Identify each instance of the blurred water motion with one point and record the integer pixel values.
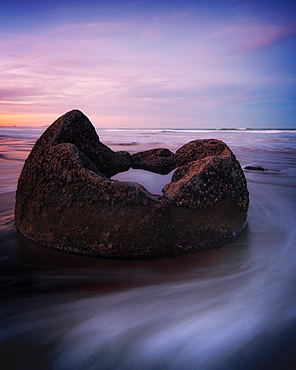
(231, 308)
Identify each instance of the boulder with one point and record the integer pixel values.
(255, 168)
(158, 160)
(209, 173)
(199, 149)
(66, 199)
(76, 129)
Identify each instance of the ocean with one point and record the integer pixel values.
(228, 308)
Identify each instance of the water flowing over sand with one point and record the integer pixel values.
(230, 308)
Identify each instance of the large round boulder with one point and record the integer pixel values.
(66, 199)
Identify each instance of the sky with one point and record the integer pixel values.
(149, 64)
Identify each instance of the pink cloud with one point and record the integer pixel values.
(96, 29)
(180, 15)
(151, 34)
(253, 36)
(129, 69)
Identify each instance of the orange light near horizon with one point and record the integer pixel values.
(23, 120)
(26, 119)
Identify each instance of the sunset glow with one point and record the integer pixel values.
(149, 64)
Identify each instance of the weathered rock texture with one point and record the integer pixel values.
(209, 173)
(158, 160)
(66, 201)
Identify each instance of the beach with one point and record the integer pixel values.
(229, 308)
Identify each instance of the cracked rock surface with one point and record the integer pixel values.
(66, 199)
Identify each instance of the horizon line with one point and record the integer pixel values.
(160, 128)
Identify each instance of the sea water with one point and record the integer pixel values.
(229, 308)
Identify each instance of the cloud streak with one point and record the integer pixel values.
(136, 69)
(249, 37)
